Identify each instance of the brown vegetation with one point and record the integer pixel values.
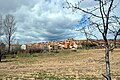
(83, 63)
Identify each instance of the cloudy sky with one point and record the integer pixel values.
(43, 20)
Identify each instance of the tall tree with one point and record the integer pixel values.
(103, 19)
(1, 26)
(9, 30)
(2, 45)
(0, 35)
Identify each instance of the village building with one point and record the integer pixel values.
(57, 45)
(23, 47)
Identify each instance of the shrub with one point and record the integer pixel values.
(88, 45)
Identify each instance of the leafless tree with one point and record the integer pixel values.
(103, 19)
(0, 35)
(9, 30)
(1, 26)
(2, 45)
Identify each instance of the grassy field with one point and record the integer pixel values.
(65, 65)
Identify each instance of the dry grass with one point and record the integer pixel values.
(80, 64)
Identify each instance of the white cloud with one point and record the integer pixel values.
(44, 20)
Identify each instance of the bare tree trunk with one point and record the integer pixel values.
(9, 30)
(0, 56)
(9, 47)
(108, 76)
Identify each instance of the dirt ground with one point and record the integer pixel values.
(81, 63)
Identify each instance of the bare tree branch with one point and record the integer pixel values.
(9, 30)
(107, 24)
